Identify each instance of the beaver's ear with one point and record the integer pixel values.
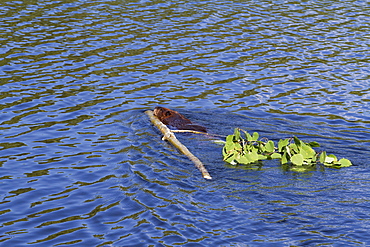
(168, 113)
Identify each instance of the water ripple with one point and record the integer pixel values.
(81, 164)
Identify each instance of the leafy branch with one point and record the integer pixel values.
(239, 150)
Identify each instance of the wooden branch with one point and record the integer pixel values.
(170, 136)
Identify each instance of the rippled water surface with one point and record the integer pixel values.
(81, 164)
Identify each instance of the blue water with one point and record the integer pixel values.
(81, 164)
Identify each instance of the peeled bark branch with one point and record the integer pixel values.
(170, 136)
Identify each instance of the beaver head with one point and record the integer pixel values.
(162, 112)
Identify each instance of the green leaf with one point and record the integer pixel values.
(229, 139)
(284, 158)
(275, 156)
(250, 157)
(255, 155)
(243, 160)
(248, 136)
(270, 147)
(236, 134)
(249, 148)
(282, 143)
(224, 152)
(261, 147)
(314, 158)
(229, 158)
(255, 149)
(230, 146)
(262, 157)
(307, 151)
(297, 141)
(297, 159)
(323, 157)
(238, 146)
(345, 162)
(255, 136)
(314, 144)
(329, 159)
(293, 147)
(331, 156)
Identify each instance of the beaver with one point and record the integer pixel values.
(174, 119)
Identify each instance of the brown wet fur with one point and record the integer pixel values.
(173, 118)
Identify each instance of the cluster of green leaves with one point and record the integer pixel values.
(239, 150)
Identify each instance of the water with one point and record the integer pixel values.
(81, 165)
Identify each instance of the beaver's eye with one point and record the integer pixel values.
(168, 113)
